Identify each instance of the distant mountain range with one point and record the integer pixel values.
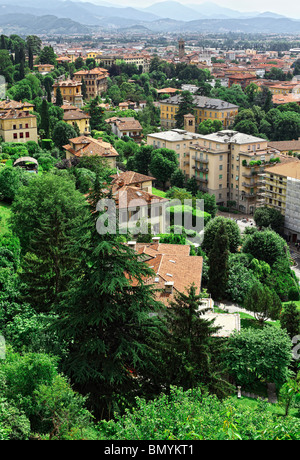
(75, 17)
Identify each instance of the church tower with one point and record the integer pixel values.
(181, 48)
(189, 122)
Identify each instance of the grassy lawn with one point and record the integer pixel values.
(157, 192)
(4, 215)
(297, 302)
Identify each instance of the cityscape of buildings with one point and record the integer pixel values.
(152, 122)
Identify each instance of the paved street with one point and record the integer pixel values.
(296, 257)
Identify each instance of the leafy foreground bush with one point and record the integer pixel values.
(194, 415)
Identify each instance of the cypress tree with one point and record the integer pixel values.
(218, 264)
(59, 99)
(30, 58)
(83, 89)
(45, 123)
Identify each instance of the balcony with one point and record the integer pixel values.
(202, 179)
(249, 184)
(202, 160)
(250, 195)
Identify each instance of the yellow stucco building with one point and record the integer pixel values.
(70, 90)
(226, 164)
(18, 126)
(76, 116)
(205, 109)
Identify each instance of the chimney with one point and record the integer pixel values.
(132, 244)
(169, 287)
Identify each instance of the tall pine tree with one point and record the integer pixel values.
(105, 317)
(194, 352)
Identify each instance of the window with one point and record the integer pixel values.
(21, 135)
(220, 176)
(26, 125)
(14, 126)
(27, 134)
(15, 136)
(220, 156)
(220, 167)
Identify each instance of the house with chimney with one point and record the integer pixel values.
(126, 126)
(83, 146)
(174, 271)
(138, 207)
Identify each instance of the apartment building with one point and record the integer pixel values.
(226, 164)
(70, 90)
(284, 88)
(95, 81)
(18, 126)
(178, 140)
(280, 190)
(205, 109)
(138, 59)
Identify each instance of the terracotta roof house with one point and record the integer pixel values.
(138, 206)
(76, 116)
(44, 68)
(126, 126)
(87, 146)
(8, 104)
(169, 91)
(175, 270)
(279, 99)
(284, 147)
(134, 179)
(70, 90)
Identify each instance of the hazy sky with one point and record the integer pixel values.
(290, 8)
